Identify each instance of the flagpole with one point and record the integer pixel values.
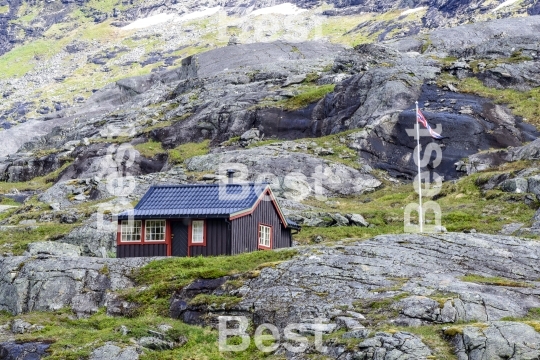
(420, 215)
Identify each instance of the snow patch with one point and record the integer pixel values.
(149, 21)
(198, 14)
(412, 11)
(162, 18)
(283, 9)
(504, 4)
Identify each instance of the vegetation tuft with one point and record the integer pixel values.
(496, 281)
(307, 95)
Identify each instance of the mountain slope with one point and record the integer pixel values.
(56, 54)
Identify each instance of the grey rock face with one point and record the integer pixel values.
(51, 283)
(291, 174)
(324, 280)
(53, 248)
(91, 239)
(400, 345)
(111, 351)
(530, 151)
(388, 146)
(510, 229)
(487, 39)
(516, 185)
(420, 307)
(340, 220)
(536, 220)
(534, 185)
(497, 340)
(60, 196)
(24, 351)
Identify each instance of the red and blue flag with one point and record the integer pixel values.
(422, 120)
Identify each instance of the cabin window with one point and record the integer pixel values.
(155, 230)
(197, 232)
(265, 233)
(131, 230)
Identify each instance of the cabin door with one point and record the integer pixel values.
(179, 239)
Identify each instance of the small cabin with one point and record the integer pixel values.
(207, 220)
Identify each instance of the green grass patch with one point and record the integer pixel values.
(223, 302)
(232, 141)
(16, 239)
(74, 339)
(38, 183)
(307, 95)
(177, 155)
(164, 277)
(8, 201)
(150, 149)
(379, 311)
(24, 58)
(464, 206)
(434, 338)
(185, 151)
(493, 280)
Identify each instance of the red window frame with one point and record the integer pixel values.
(262, 247)
(190, 233)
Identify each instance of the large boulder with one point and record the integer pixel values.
(291, 174)
(23, 351)
(110, 351)
(52, 283)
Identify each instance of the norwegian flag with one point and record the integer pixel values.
(422, 120)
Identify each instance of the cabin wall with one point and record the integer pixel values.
(245, 230)
(217, 239)
(138, 250)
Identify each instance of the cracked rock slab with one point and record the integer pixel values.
(498, 340)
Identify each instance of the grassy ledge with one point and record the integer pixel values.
(163, 277)
(177, 155)
(306, 95)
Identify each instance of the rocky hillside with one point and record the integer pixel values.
(315, 98)
(447, 296)
(54, 55)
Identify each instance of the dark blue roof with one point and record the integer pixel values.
(196, 200)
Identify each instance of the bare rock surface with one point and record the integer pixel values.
(497, 340)
(427, 265)
(51, 283)
(23, 351)
(289, 173)
(110, 351)
(413, 279)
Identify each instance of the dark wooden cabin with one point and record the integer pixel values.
(207, 220)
